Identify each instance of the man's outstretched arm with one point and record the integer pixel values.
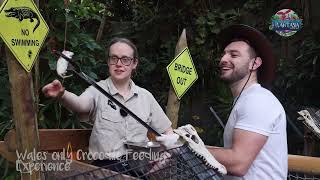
(238, 159)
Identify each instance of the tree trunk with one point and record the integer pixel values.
(173, 104)
(102, 24)
(36, 78)
(24, 111)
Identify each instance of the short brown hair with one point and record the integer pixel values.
(122, 40)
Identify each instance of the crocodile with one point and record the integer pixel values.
(311, 118)
(196, 145)
(22, 13)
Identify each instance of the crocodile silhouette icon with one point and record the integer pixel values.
(22, 13)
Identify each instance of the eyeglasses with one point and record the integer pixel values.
(113, 60)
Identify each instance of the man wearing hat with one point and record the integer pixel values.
(255, 140)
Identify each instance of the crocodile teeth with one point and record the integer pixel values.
(197, 146)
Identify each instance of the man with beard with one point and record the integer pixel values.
(255, 140)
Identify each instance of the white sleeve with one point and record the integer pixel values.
(79, 104)
(257, 115)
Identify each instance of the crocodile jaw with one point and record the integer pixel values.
(308, 119)
(9, 13)
(189, 134)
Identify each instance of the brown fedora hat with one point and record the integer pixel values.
(260, 44)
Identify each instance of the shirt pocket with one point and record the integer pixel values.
(110, 113)
(135, 126)
(142, 110)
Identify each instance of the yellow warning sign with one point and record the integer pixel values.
(23, 29)
(182, 72)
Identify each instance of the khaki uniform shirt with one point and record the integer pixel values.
(111, 130)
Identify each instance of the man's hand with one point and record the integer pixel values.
(169, 140)
(54, 89)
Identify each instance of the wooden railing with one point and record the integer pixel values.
(304, 164)
(301, 164)
(57, 139)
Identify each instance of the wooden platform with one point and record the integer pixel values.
(55, 140)
(77, 168)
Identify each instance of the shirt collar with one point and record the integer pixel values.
(245, 91)
(113, 90)
(134, 88)
(251, 87)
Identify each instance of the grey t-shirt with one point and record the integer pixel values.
(111, 129)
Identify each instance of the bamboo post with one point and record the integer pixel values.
(173, 104)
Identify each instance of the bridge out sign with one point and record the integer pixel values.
(182, 72)
(23, 29)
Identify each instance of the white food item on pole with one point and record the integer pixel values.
(62, 64)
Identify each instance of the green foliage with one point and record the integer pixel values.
(155, 28)
(5, 99)
(6, 123)
(297, 86)
(71, 26)
(7, 172)
(300, 78)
